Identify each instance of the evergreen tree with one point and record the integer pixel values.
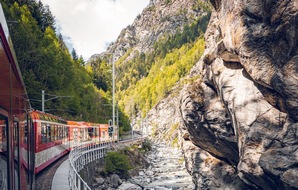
(74, 54)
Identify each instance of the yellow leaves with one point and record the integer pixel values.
(50, 34)
(89, 69)
(163, 75)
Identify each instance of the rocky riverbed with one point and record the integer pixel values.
(166, 171)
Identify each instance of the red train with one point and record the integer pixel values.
(32, 140)
(16, 136)
(55, 137)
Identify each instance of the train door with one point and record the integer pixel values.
(29, 153)
(16, 146)
(4, 178)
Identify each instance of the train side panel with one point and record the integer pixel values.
(15, 170)
(51, 139)
(104, 134)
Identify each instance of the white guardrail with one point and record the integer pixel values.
(85, 154)
(79, 157)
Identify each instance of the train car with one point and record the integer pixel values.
(74, 133)
(16, 139)
(51, 139)
(103, 133)
(86, 132)
(81, 132)
(93, 131)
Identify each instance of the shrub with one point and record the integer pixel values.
(146, 146)
(118, 163)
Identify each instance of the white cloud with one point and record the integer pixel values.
(91, 24)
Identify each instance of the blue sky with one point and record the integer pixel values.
(90, 25)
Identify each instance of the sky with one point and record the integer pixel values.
(89, 26)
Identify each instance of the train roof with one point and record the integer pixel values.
(78, 123)
(38, 115)
(86, 124)
(11, 81)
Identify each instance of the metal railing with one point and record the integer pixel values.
(79, 157)
(85, 154)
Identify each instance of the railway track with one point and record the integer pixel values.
(43, 180)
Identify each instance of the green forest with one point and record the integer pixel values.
(46, 64)
(148, 77)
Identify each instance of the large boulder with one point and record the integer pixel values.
(115, 181)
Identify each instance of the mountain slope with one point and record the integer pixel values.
(152, 41)
(158, 19)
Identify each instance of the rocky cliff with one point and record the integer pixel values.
(159, 18)
(239, 120)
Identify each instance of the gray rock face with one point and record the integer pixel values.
(157, 19)
(210, 172)
(243, 111)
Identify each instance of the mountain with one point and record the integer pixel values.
(160, 37)
(233, 106)
(158, 19)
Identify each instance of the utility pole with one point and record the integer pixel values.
(117, 114)
(146, 120)
(131, 125)
(113, 76)
(113, 91)
(142, 128)
(43, 100)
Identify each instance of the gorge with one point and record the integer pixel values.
(237, 110)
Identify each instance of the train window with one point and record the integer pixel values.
(67, 131)
(3, 134)
(49, 133)
(60, 132)
(90, 132)
(43, 133)
(25, 132)
(15, 132)
(52, 133)
(56, 132)
(3, 150)
(82, 134)
(16, 139)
